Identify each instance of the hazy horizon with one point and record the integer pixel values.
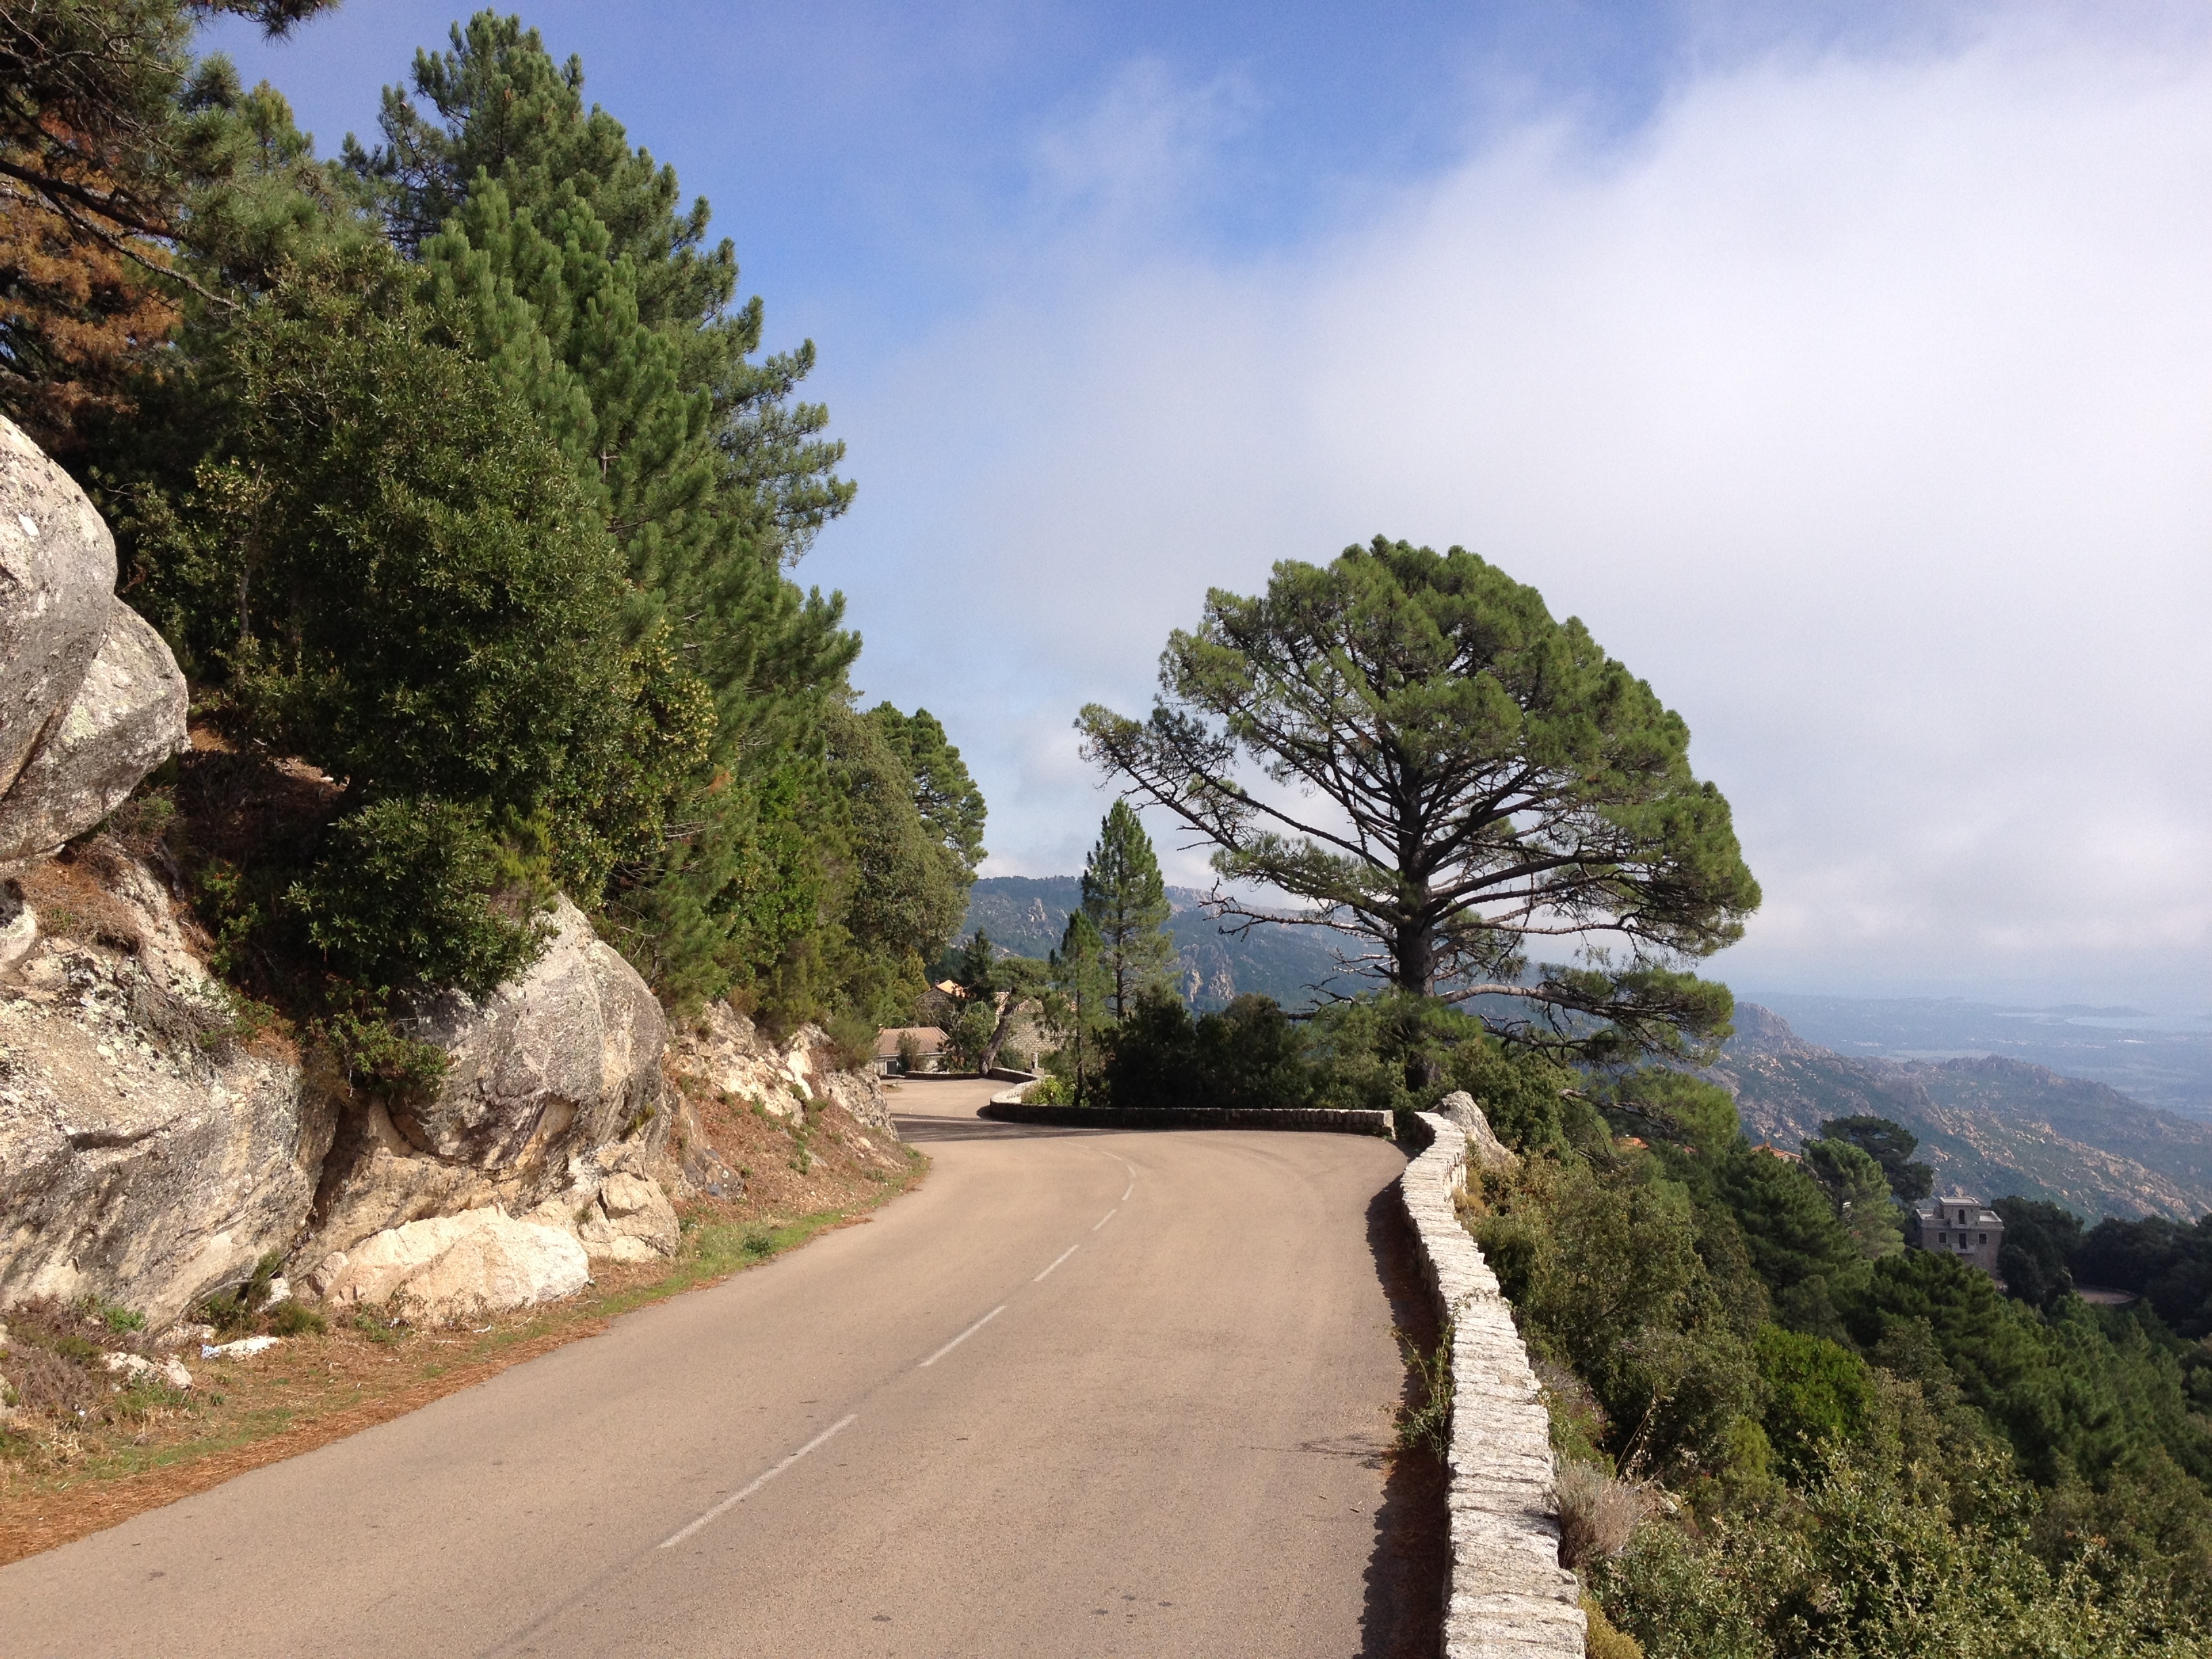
(1847, 368)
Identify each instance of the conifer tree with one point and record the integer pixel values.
(1127, 903)
(1859, 1189)
(561, 253)
(1077, 975)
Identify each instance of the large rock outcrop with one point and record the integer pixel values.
(461, 1266)
(134, 1164)
(90, 697)
(724, 1050)
(555, 1084)
(127, 717)
(148, 1159)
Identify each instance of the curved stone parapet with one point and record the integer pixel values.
(1008, 1107)
(1508, 1597)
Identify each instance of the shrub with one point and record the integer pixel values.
(1599, 1513)
(44, 1381)
(852, 1041)
(1817, 1393)
(295, 1319)
(414, 892)
(1605, 1640)
(1249, 1053)
(1425, 1423)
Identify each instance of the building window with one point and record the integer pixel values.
(1943, 1238)
(1984, 1237)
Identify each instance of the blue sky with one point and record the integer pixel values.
(1849, 368)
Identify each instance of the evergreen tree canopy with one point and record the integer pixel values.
(130, 177)
(1082, 990)
(945, 796)
(1890, 1144)
(1126, 902)
(1457, 776)
(2040, 1237)
(1857, 1187)
(1788, 1223)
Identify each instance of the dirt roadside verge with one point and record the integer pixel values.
(60, 1481)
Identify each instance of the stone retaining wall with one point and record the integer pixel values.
(1509, 1598)
(1008, 1109)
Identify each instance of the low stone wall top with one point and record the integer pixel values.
(1509, 1598)
(1008, 1109)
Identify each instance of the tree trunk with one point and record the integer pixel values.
(1413, 959)
(1007, 1010)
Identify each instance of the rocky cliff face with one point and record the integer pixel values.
(90, 697)
(724, 1050)
(148, 1158)
(135, 1162)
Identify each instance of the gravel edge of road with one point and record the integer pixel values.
(1507, 1597)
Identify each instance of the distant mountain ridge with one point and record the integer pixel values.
(1027, 914)
(1991, 1126)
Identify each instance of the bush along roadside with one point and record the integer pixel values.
(1779, 1436)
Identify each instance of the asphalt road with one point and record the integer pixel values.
(1081, 1393)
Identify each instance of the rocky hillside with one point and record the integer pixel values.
(1993, 1125)
(1027, 914)
(161, 1141)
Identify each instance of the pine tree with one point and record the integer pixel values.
(1857, 1187)
(1081, 989)
(1126, 902)
(560, 253)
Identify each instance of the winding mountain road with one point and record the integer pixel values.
(1081, 1393)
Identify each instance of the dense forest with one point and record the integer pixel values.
(462, 483)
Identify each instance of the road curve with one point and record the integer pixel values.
(1082, 1393)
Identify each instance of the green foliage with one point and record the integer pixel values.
(899, 892)
(1494, 770)
(1078, 1005)
(409, 893)
(1890, 1144)
(1603, 1264)
(970, 1034)
(1524, 1095)
(569, 268)
(1673, 1106)
(292, 1318)
(1789, 1225)
(2039, 1238)
(1860, 1191)
(1866, 1561)
(1128, 903)
(2166, 1262)
(1246, 1055)
(944, 796)
(1898, 1459)
(1818, 1394)
(467, 483)
(386, 570)
(1425, 1421)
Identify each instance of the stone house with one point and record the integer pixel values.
(1958, 1225)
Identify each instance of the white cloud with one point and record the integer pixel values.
(1864, 406)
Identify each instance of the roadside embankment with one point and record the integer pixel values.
(1509, 1598)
